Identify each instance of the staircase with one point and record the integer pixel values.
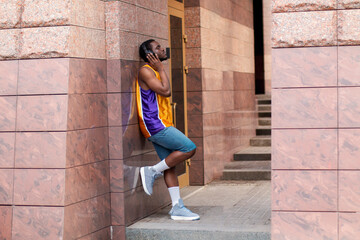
(254, 162)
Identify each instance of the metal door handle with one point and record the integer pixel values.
(174, 112)
(188, 162)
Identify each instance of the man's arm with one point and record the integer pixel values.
(148, 78)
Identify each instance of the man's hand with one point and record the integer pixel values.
(148, 80)
(155, 62)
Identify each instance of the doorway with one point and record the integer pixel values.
(259, 47)
(178, 72)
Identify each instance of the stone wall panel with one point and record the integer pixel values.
(349, 27)
(303, 5)
(318, 29)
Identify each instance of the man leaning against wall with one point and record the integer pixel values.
(155, 120)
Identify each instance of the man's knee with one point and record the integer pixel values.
(191, 153)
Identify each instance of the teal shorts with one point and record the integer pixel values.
(169, 140)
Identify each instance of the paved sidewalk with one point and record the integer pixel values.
(228, 210)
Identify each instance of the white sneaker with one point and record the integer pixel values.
(148, 176)
(180, 212)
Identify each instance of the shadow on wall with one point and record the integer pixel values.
(133, 141)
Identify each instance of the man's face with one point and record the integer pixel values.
(160, 51)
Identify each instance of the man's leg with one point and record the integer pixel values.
(173, 147)
(178, 210)
(177, 157)
(172, 160)
(183, 149)
(170, 176)
(167, 165)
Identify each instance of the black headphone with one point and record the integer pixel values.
(147, 51)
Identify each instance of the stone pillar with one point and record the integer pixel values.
(128, 24)
(316, 126)
(54, 172)
(267, 23)
(221, 83)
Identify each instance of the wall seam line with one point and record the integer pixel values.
(338, 142)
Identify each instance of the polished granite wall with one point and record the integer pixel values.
(70, 146)
(128, 24)
(267, 24)
(221, 100)
(315, 123)
(54, 163)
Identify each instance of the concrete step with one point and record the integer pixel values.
(263, 96)
(247, 170)
(228, 210)
(263, 107)
(263, 130)
(257, 233)
(248, 165)
(253, 154)
(264, 101)
(244, 174)
(261, 141)
(265, 121)
(266, 114)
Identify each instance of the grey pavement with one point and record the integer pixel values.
(228, 210)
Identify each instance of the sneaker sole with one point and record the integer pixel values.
(142, 173)
(136, 178)
(184, 218)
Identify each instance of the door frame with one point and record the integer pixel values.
(176, 9)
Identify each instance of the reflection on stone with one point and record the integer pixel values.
(131, 173)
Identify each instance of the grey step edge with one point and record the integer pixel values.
(252, 156)
(171, 234)
(265, 121)
(243, 174)
(263, 114)
(260, 142)
(263, 101)
(263, 131)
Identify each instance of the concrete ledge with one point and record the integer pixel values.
(151, 234)
(228, 210)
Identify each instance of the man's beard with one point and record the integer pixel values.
(163, 59)
(167, 55)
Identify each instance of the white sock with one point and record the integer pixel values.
(174, 194)
(161, 166)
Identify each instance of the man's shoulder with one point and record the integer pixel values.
(147, 67)
(146, 71)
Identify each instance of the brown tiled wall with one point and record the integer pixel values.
(72, 122)
(54, 124)
(237, 11)
(87, 173)
(55, 151)
(20, 154)
(221, 100)
(70, 146)
(129, 23)
(315, 107)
